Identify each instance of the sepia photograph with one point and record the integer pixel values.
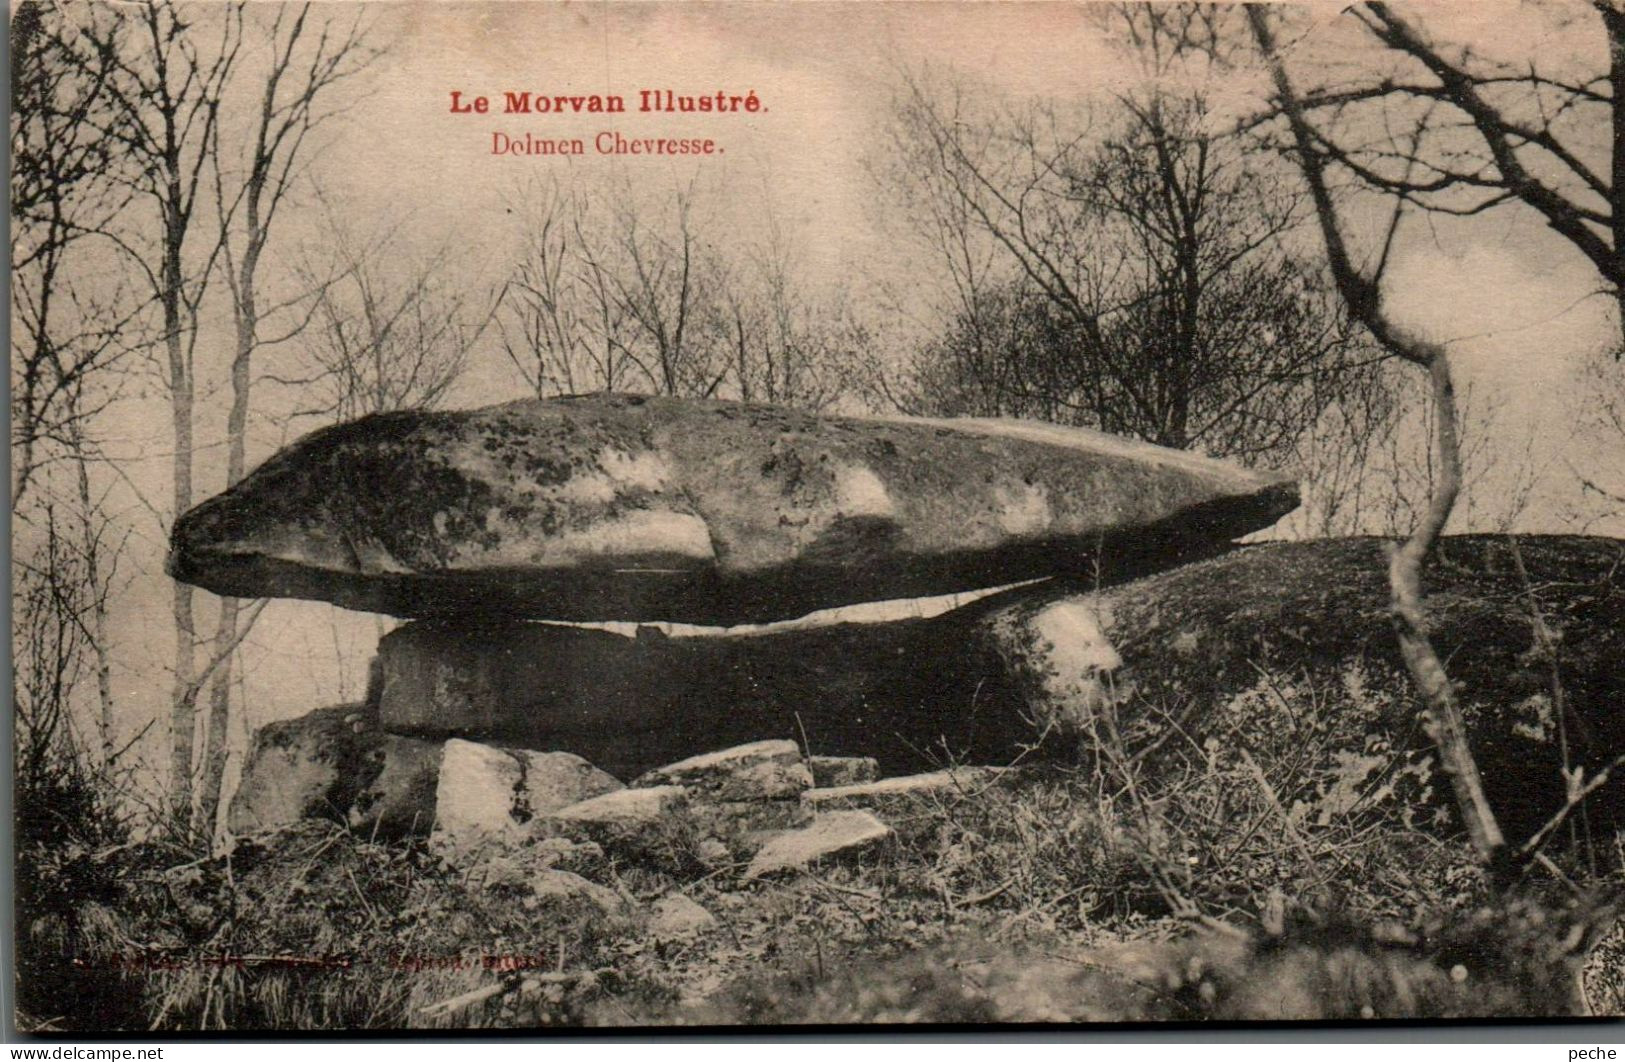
(776, 516)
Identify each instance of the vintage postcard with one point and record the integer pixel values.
(537, 516)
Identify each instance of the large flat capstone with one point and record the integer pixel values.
(607, 507)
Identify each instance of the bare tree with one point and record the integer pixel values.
(64, 192)
(1544, 133)
(1361, 289)
(665, 278)
(180, 79)
(561, 321)
(49, 644)
(67, 559)
(786, 345)
(100, 548)
(172, 66)
(1135, 258)
(1448, 129)
(1602, 431)
(390, 331)
(63, 579)
(1344, 481)
(1361, 473)
(74, 326)
(1010, 352)
(636, 297)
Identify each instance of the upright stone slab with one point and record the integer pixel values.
(621, 507)
(977, 684)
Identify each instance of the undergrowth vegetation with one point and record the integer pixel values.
(1293, 786)
(66, 826)
(1296, 799)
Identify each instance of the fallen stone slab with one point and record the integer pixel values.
(553, 851)
(953, 781)
(485, 790)
(625, 808)
(713, 851)
(742, 824)
(830, 771)
(337, 764)
(977, 684)
(605, 507)
(833, 834)
(760, 770)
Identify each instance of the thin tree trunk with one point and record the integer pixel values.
(182, 708)
(98, 604)
(247, 312)
(1441, 714)
(217, 723)
(1613, 20)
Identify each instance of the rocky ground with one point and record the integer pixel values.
(1256, 765)
(974, 901)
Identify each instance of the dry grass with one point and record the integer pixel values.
(1299, 806)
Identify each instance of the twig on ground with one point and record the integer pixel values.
(468, 999)
(1578, 792)
(983, 897)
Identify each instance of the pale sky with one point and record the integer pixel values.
(825, 72)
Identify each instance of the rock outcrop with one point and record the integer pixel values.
(337, 763)
(620, 507)
(1228, 647)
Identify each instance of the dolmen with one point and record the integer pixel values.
(625, 579)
